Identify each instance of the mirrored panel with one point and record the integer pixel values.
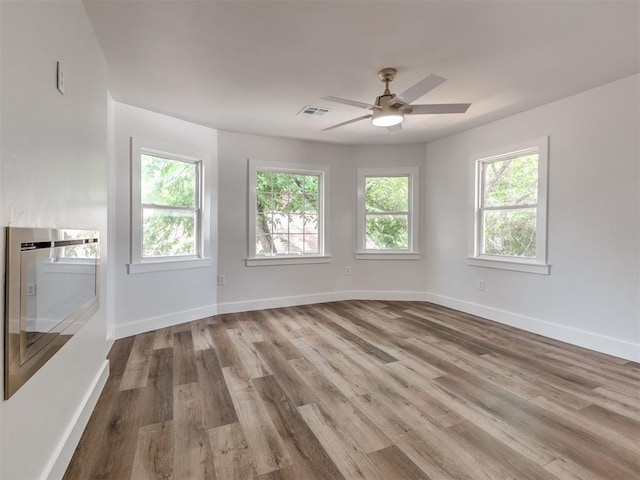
(51, 291)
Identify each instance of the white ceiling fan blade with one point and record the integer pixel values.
(395, 128)
(353, 120)
(352, 103)
(419, 89)
(437, 108)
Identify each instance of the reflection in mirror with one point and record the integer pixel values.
(56, 283)
(51, 291)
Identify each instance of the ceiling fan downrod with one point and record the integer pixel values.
(386, 75)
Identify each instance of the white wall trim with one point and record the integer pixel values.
(175, 263)
(399, 296)
(287, 260)
(69, 440)
(110, 341)
(514, 266)
(387, 256)
(413, 174)
(251, 305)
(162, 321)
(277, 302)
(582, 338)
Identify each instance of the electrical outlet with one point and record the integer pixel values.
(31, 289)
(347, 270)
(60, 78)
(480, 284)
(222, 280)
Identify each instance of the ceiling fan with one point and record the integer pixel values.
(389, 109)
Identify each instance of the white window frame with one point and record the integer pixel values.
(412, 252)
(528, 265)
(255, 166)
(140, 264)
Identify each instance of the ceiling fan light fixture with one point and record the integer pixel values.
(387, 117)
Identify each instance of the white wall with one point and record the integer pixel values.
(52, 174)
(146, 301)
(591, 297)
(268, 286)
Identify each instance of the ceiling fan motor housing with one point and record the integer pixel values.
(383, 99)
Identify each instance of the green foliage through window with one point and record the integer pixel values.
(509, 206)
(287, 213)
(387, 212)
(170, 207)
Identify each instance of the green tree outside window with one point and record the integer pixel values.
(170, 207)
(387, 212)
(287, 213)
(509, 206)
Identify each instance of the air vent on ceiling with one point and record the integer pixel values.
(311, 111)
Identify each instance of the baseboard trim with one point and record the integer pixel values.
(162, 321)
(110, 341)
(278, 302)
(59, 462)
(582, 338)
(264, 303)
(399, 296)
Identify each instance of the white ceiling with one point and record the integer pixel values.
(250, 66)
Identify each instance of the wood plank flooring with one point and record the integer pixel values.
(360, 390)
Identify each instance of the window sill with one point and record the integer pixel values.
(513, 265)
(388, 256)
(168, 265)
(297, 260)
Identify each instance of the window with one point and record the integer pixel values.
(387, 213)
(286, 213)
(167, 210)
(510, 213)
(170, 204)
(89, 250)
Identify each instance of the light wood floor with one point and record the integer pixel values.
(360, 390)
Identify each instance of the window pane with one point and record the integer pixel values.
(280, 223)
(296, 244)
(511, 182)
(264, 245)
(264, 225)
(264, 182)
(296, 223)
(311, 183)
(168, 182)
(287, 209)
(311, 243)
(510, 232)
(310, 224)
(282, 203)
(281, 244)
(281, 181)
(266, 203)
(295, 203)
(296, 184)
(168, 232)
(387, 194)
(387, 232)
